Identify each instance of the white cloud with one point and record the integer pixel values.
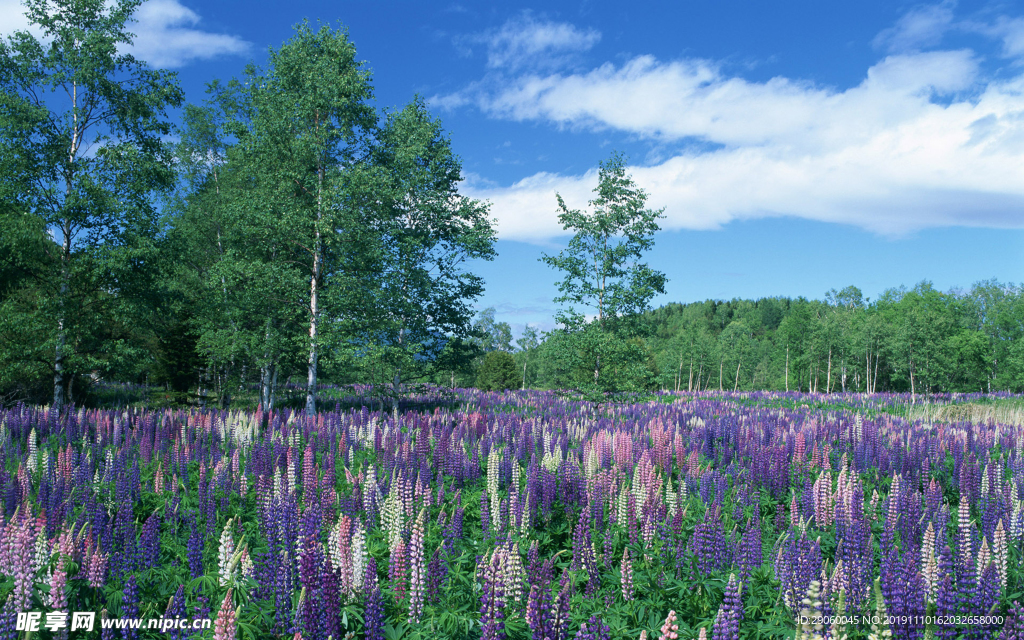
(12, 18)
(885, 155)
(166, 36)
(166, 33)
(921, 27)
(527, 42)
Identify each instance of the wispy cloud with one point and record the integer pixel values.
(167, 33)
(1009, 30)
(925, 139)
(528, 42)
(921, 27)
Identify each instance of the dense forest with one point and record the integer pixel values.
(288, 232)
(919, 340)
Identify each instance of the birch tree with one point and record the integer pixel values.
(85, 122)
(603, 273)
(311, 126)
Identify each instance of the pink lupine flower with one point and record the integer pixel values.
(669, 630)
(226, 625)
(627, 576)
(57, 599)
(417, 568)
(97, 569)
(22, 560)
(65, 548)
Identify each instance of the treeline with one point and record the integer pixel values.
(919, 340)
(293, 232)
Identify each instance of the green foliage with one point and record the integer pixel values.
(81, 144)
(419, 290)
(498, 372)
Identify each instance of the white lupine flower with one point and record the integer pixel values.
(623, 506)
(32, 451)
(524, 526)
(1000, 553)
(248, 569)
(670, 499)
(929, 566)
(392, 516)
(224, 553)
(359, 555)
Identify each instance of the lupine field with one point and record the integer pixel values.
(519, 515)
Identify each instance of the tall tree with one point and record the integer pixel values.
(85, 123)
(232, 261)
(603, 272)
(310, 129)
(428, 233)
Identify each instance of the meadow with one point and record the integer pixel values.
(522, 515)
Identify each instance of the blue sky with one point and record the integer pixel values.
(795, 146)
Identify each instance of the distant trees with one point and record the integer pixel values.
(918, 340)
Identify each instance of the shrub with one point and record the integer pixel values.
(498, 372)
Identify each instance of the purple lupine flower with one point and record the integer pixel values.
(373, 616)
(492, 599)
(538, 613)
(707, 547)
(727, 622)
(176, 609)
(749, 556)
(8, 622)
(485, 515)
(583, 554)
(946, 600)
(796, 565)
(106, 632)
(330, 597)
(130, 606)
(594, 629)
(195, 550)
(201, 611)
(150, 543)
(437, 574)
(988, 593)
(1013, 627)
